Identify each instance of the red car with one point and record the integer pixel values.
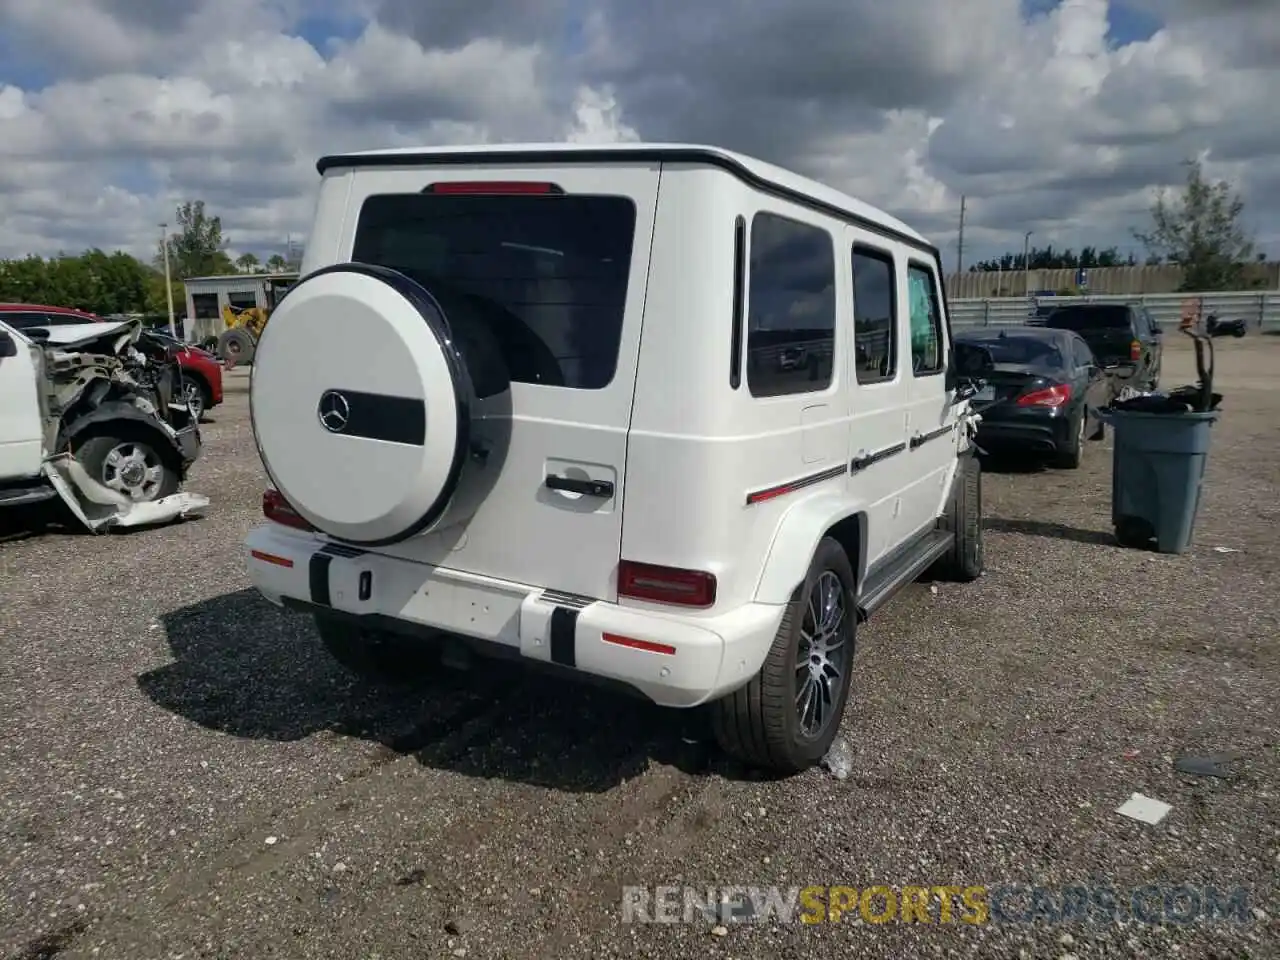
(201, 370)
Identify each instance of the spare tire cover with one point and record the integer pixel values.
(359, 403)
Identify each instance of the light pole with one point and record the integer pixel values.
(168, 284)
(1026, 263)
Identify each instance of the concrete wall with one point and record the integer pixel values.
(1127, 281)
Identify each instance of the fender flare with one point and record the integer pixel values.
(796, 540)
(118, 410)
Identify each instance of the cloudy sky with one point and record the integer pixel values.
(1057, 116)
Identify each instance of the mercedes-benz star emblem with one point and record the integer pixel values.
(334, 411)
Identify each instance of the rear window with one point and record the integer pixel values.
(1022, 351)
(544, 278)
(1090, 318)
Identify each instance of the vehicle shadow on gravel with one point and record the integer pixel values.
(41, 519)
(246, 668)
(1012, 463)
(1054, 531)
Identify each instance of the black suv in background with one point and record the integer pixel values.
(1123, 336)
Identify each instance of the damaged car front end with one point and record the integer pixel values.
(118, 435)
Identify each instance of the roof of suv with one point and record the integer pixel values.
(747, 168)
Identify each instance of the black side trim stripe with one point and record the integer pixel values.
(783, 489)
(861, 463)
(318, 574)
(921, 439)
(564, 630)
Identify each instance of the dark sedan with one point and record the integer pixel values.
(1039, 392)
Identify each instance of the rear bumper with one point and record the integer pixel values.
(700, 659)
(1043, 434)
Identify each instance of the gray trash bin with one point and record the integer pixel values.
(1157, 470)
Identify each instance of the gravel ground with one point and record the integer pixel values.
(187, 775)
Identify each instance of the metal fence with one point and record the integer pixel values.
(1260, 309)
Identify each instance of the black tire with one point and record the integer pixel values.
(1238, 332)
(92, 454)
(198, 396)
(372, 655)
(1069, 455)
(760, 723)
(236, 346)
(966, 559)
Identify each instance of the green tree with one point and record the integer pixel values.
(196, 248)
(1047, 258)
(94, 280)
(1200, 230)
(277, 263)
(248, 263)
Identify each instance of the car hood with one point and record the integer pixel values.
(108, 337)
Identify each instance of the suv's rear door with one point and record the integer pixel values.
(559, 278)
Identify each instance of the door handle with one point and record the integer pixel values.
(588, 488)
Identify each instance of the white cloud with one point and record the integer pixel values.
(1044, 124)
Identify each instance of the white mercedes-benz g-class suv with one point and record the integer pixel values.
(660, 415)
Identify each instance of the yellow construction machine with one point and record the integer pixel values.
(244, 325)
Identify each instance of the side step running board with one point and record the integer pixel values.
(901, 570)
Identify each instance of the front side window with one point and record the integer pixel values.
(791, 307)
(926, 321)
(875, 316)
(541, 279)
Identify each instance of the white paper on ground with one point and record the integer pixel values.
(1144, 809)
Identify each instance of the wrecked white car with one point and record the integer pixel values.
(86, 415)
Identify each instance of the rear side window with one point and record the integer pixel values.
(875, 312)
(542, 278)
(1084, 356)
(791, 307)
(926, 321)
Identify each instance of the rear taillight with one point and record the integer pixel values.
(1135, 351)
(1054, 396)
(685, 588)
(492, 187)
(276, 509)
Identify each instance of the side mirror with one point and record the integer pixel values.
(8, 346)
